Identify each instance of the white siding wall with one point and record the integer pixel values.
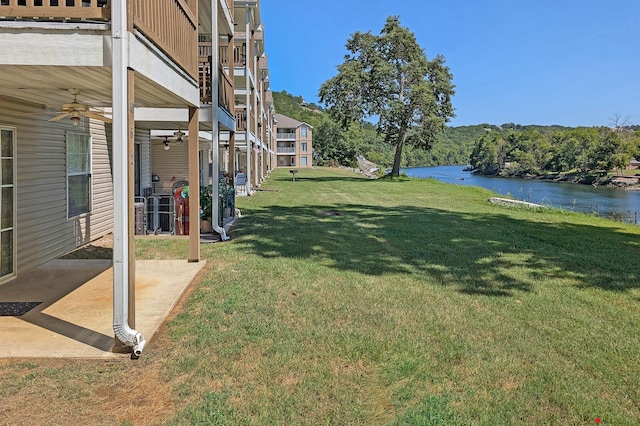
(101, 222)
(43, 230)
(174, 163)
(170, 165)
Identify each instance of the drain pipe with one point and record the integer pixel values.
(123, 332)
(215, 134)
(247, 100)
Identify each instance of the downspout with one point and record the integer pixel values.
(256, 161)
(247, 82)
(123, 332)
(215, 135)
(262, 130)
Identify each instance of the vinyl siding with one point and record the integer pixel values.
(173, 164)
(43, 230)
(143, 138)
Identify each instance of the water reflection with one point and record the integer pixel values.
(569, 196)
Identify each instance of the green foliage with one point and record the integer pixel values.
(516, 151)
(205, 202)
(530, 149)
(389, 77)
(295, 107)
(331, 146)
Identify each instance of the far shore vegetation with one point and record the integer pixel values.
(345, 300)
(585, 154)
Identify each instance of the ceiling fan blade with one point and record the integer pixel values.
(60, 117)
(97, 116)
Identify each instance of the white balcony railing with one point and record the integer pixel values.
(286, 150)
(286, 136)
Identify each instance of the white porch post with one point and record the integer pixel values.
(215, 127)
(247, 97)
(120, 137)
(120, 94)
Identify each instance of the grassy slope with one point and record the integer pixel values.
(342, 300)
(347, 301)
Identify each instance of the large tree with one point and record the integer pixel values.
(389, 76)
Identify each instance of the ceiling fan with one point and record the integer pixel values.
(179, 141)
(76, 110)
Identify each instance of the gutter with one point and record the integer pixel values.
(215, 133)
(119, 87)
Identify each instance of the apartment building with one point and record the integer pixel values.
(103, 101)
(250, 149)
(294, 142)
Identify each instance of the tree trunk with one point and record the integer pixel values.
(395, 171)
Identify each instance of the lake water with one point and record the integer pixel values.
(564, 195)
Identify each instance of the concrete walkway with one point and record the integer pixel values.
(75, 312)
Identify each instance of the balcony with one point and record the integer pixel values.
(169, 24)
(240, 56)
(286, 136)
(71, 10)
(225, 85)
(286, 150)
(241, 119)
(172, 26)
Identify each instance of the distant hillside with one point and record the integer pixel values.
(336, 146)
(297, 108)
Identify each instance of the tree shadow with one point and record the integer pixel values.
(473, 253)
(303, 178)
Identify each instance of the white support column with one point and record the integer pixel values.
(256, 117)
(247, 80)
(120, 94)
(262, 131)
(215, 126)
(120, 137)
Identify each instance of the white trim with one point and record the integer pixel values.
(89, 172)
(14, 243)
(30, 25)
(152, 63)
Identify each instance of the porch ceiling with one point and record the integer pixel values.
(225, 20)
(48, 87)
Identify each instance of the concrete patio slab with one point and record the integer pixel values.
(75, 314)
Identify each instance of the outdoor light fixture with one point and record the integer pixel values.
(166, 143)
(75, 118)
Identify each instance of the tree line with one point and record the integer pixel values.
(508, 149)
(516, 152)
(333, 145)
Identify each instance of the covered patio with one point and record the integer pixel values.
(64, 308)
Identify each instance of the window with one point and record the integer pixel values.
(303, 161)
(78, 174)
(303, 131)
(304, 146)
(7, 202)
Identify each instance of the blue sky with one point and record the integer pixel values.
(566, 62)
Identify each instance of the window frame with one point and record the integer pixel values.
(89, 173)
(13, 228)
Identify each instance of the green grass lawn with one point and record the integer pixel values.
(341, 300)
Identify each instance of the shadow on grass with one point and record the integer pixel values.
(320, 178)
(487, 254)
